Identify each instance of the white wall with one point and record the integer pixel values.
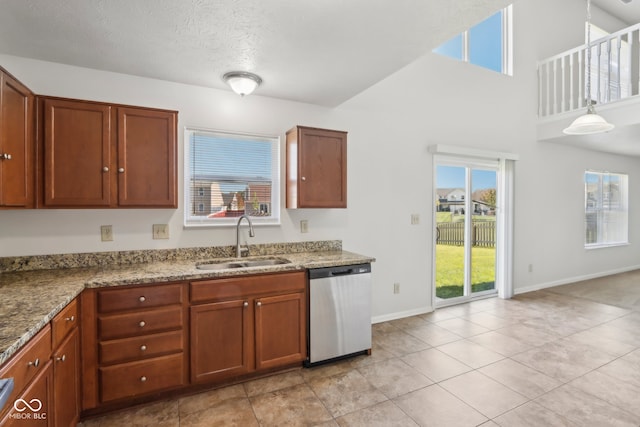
(390, 127)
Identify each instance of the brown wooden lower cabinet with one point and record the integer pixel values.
(255, 323)
(66, 381)
(33, 407)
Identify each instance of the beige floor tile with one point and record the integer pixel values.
(617, 392)
(161, 414)
(626, 368)
(201, 401)
(436, 365)
(440, 314)
(393, 377)
(434, 406)
(614, 332)
(432, 334)
(409, 322)
(400, 343)
(520, 378)
(323, 371)
(482, 393)
(470, 353)
(564, 360)
(293, 406)
(584, 409)
(488, 320)
(383, 328)
(232, 412)
(500, 343)
(378, 354)
(602, 341)
(273, 383)
(346, 393)
(385, 414)
(533, 415)
(528, 335)
(462, 327)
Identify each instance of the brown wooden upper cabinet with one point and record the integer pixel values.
(102, 155)
(16, 144)
(316, 168)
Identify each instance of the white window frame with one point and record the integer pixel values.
(599, 210)
(199, 221)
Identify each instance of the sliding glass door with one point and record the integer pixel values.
(465, 230)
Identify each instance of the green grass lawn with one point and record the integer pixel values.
(450, 270)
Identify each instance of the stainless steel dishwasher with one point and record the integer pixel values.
(339, 312)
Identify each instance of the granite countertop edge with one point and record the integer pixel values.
(31, 299)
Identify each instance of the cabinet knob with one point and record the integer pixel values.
(259, 303)
(142, 323)
(121, 170)
(304, 178)
(143, 347)
(246, 304)
(142, 299)
(70, 319)
(105, 169)
(35, 363)
(143, 379)
(5, 156)
(62, 358)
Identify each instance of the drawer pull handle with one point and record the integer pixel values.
(142, 323)
(142, 299)
(105, 169)
(62, 359)
(70, 319)
(246, 304)
(143, 379)
(143, 348)
(121, 170)
(35, 363)
(259, 303)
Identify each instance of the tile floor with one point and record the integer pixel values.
(566, 356)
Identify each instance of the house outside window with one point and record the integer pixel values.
(606, 209)
(487, 44)
(231, 174)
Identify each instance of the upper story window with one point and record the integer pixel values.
(487, 44)
(231, 174)
(606, 209)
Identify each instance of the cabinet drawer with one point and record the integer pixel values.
(140, 297)
(28, 362)
(229, 288)
(64, 321)
(139, 323)
(144, 347)
(137, 378)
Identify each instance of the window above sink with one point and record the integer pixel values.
(228, 175)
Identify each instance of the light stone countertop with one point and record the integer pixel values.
(30, 299)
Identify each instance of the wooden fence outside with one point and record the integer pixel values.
(483, 234)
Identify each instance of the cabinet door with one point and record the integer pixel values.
(16, 143)
(34, 407)
(221, 344)
(77, 153)
(66, 381)
(147, 173)
(280, 329)
(316, 168)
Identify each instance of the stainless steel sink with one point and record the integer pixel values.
(241, 264)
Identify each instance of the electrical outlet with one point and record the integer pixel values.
(396, 288)
(106, 233)
(415, 219)
(304, 226)
(160, 231)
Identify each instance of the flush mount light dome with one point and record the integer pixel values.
(242, 82)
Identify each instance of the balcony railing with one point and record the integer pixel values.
(615, 62)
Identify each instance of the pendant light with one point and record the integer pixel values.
(242, 82)
(590, 122)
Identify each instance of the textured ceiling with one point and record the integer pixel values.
(320, 52)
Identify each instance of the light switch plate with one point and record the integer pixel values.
(415, 219)
(106, 233)
(160, 231)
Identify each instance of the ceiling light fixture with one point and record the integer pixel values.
(590, 122)
(242, 82)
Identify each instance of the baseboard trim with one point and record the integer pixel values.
(574, 279)
(400, 315)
